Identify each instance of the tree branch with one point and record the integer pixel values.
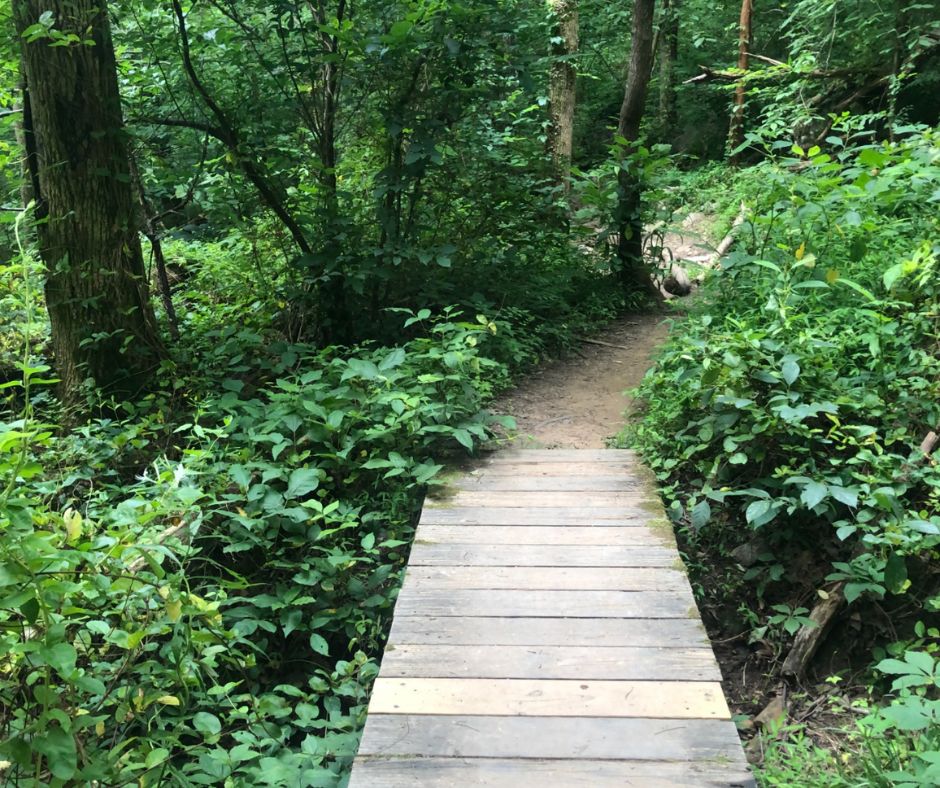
(229, 136)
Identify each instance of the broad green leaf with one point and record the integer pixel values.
(813, 494)
(207, 724)
(302, 481)
(895, 573)
(701, 514)
(58, 746)
(319, 645)
(791, 371)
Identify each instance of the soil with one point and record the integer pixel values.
(580, 402)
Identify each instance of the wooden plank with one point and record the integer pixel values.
(698, 700)
(527, 631)
(578, 501)
(541, 555)
(558, 515)
(550, 662)
(581, 738)
(543, 534)
(378, 772)
(526, 483)
(562, 455)
(416, 601)
(552, 578)
(554, 469)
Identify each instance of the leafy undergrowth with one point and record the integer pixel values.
(784, 419)
(217, 619)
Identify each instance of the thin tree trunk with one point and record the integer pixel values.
(150, 229)
(563, 86)
(103, 325)
(668, 54)
(629, 219)
(331, 87)
(736, 135)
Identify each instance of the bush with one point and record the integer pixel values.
(787, 410)
(217, 616)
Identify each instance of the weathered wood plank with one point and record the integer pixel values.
(546, 631)
(378, 772)
(699, 700)
(417, 601)
(550, 662)
(572, 499)
(548, 578)
(581, 738)
(555, 469)
(597, 483)
(541, 555)
(562, 455)
(528, 631)
(557, 515)
(544, 535)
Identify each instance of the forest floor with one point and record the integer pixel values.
(579, 402)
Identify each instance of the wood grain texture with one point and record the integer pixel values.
(550, 662)
(581, 738)
(540, 555)
(543, 534)
(548, 578)
(498, 630)
(699, 700)
(562, 455)
(554, 469)
(417, 601)
(552, 515)
(378, 772)
(526, 483)
(576, 501)
(546, 631)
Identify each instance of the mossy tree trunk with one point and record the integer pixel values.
(96, 292)
(563, 86)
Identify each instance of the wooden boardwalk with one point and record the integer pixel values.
(546, 635)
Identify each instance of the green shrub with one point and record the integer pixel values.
(787, 410)
(216, 617)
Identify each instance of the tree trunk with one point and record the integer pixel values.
(148, 222)
(629, 219)
(668, 54)
(562, 86)
(736, 134)
(103, 325)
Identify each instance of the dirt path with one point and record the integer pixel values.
(579, 402)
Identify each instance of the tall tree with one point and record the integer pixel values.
(563, 84)
(736, 134)
(629, 219)
(96, 291)
(668, 54)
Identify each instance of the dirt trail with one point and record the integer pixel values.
(579, 402)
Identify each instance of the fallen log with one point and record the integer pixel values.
(929, 443)
(722, 249)
(810, 637)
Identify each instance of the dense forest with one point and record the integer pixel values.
(265, 264)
